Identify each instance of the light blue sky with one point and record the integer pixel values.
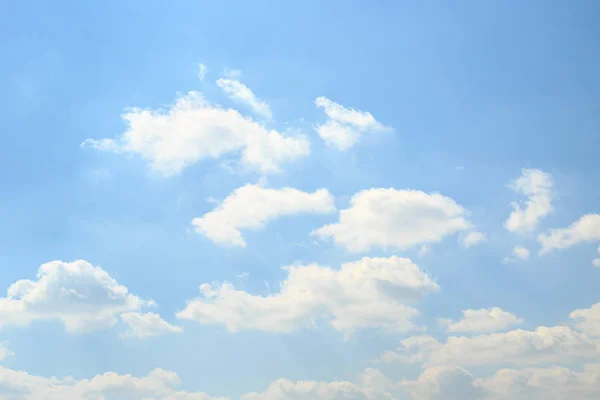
(474, 92)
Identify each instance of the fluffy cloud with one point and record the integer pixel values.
(157, 385)
(445, 383)
(253, 206)
(435, 383)
(241, 93)
(143, 326)
(482, 320)
(162, 384)
(396, 219)
(553, 383)
(83, 297)
(586, 229)
(283, 389)
(536, 185)
(587, 320)
(473, 238)
(373, 386)
(345, 126)
(517, 347)
(192, 130)
(521, 252)
(371, 292)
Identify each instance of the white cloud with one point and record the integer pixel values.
(395, 219)
(587, 320)
(232, 73)
(517, 347)
(586, 229)
(202, 71)
(162, 384)
(435, 383)
(241, 93)
(536, 185)
(521, 252)
(423, 250)
(243, 275)
(445, 383)
(192, 130)
(283, 389)
(253, 206)
(159, 384)
(553, 383)
(212, 200)
(596, 261)
(5, 351)
(373, 386)
(142, 326)
(345, 126)
(473, 238)
(483, 320)
(83, 297)
(371, 292)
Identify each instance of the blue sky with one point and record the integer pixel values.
(458, 100)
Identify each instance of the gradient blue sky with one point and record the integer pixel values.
(474, 92)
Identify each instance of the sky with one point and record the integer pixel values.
(265, 200)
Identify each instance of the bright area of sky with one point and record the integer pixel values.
(299, 200)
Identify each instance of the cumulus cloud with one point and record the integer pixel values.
(473, 238)
(521, 252)
(587, 320)
(162, 384)
(283, 389)
(435, 383)
(553, 383)
(142, 326)
(395, 219)
(483, 320)
(192, 130)
(536, 185)
(159, 384)
(253, 206)
(517, 347)
(445, 383)
(371, 292)
(241, 93)
(442, 382)
(83, 297)
(373, 386)
(345, 126)
(585, 229)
